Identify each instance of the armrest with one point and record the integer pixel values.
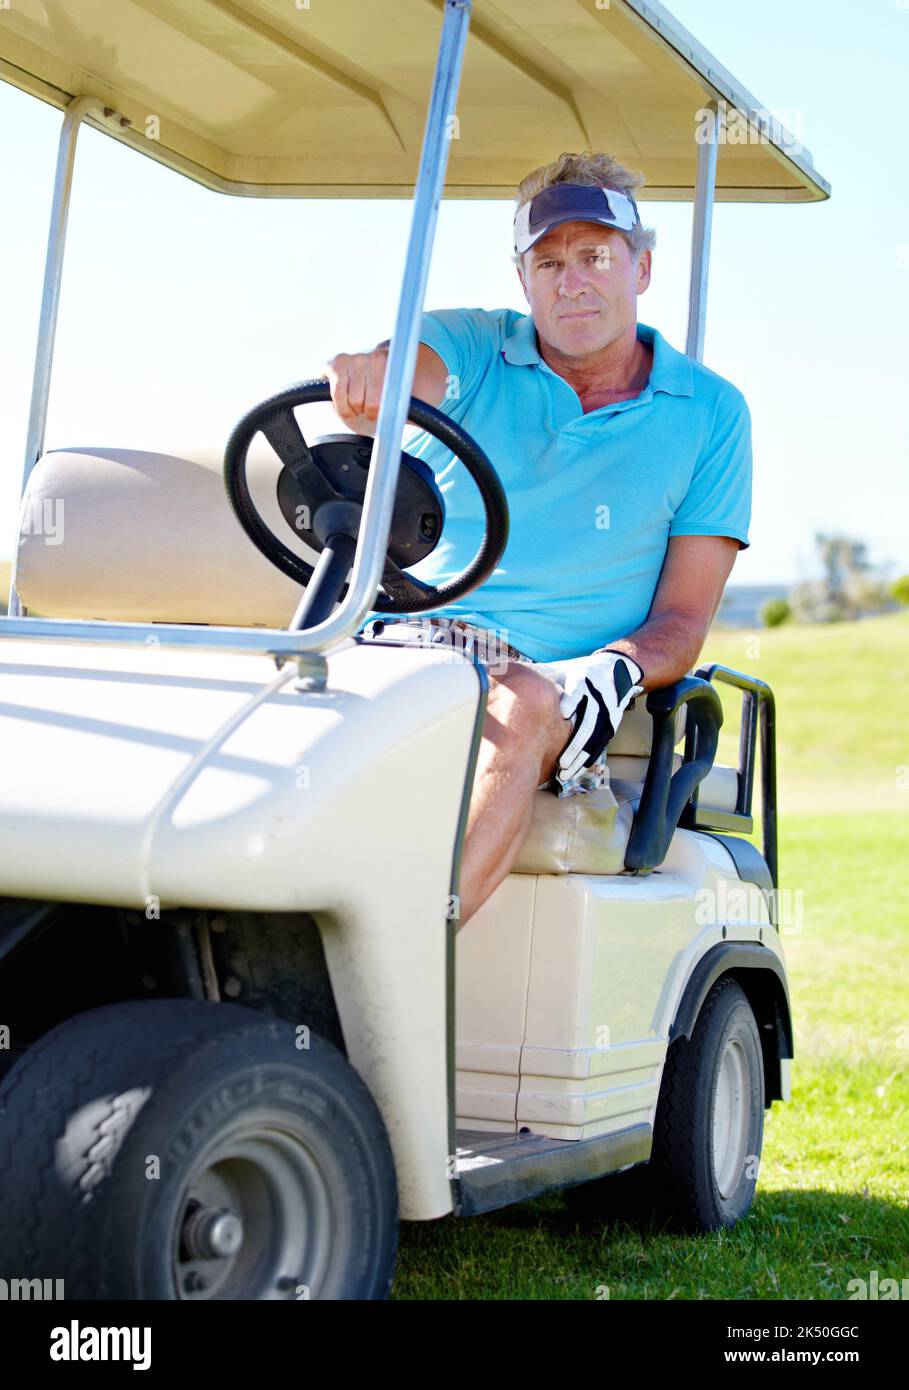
(666, 794)
(758, 708)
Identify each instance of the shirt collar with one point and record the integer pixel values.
(671, 370)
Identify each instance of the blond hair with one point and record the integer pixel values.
(600, 170)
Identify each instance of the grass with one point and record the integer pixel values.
(841, 712)
(832, 1202)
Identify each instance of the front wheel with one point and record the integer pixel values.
(173, 1149)
(708, 1131)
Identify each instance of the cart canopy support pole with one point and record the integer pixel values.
(50, 300)
(382, 481)
(700, 238)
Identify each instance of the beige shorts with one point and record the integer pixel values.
(488, 645)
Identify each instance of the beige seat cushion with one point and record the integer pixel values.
(584, 834)
(151, 537)
(588, 833)
(635, 733)
(718, 792)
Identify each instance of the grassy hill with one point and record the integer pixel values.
(842, 740)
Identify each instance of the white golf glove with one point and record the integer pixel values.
(599, 688)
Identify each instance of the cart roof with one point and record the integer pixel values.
(260, 97)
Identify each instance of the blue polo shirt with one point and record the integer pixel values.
(593, 498)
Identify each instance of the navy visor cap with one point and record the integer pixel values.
(572, 202)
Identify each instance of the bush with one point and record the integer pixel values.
(776, 611)
(900, 589)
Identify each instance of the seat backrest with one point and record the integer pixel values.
(635, 733)
(132, 536)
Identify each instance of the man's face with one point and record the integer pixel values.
(582, 281)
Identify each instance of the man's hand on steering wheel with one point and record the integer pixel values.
(356, 379)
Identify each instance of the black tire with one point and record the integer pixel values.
(695, 1181)
(286, 1140)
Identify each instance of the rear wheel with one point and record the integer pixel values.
(708, 1132)
(173, 1149)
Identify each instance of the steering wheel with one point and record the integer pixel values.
(320, 493)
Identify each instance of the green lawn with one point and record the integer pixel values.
(833, 1196)
(841, 709)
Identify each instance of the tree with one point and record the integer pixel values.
(848, 588)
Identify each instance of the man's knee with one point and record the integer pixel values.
(527, 703)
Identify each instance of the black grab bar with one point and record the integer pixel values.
(670, 799)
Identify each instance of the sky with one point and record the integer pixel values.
(181, 308)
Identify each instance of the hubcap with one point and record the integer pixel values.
(731, 1114)
(211, 1233)
(256, 1220)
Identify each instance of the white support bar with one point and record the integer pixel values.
(50, 301)
(382, 479)
(702, 219)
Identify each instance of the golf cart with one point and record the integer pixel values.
(241, 1033)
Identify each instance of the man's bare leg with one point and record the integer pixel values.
(523, 735)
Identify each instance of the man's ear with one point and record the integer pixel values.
(644, 268)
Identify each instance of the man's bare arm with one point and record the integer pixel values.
(356, 381)
(691, 585)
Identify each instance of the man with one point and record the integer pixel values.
(627, 469)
